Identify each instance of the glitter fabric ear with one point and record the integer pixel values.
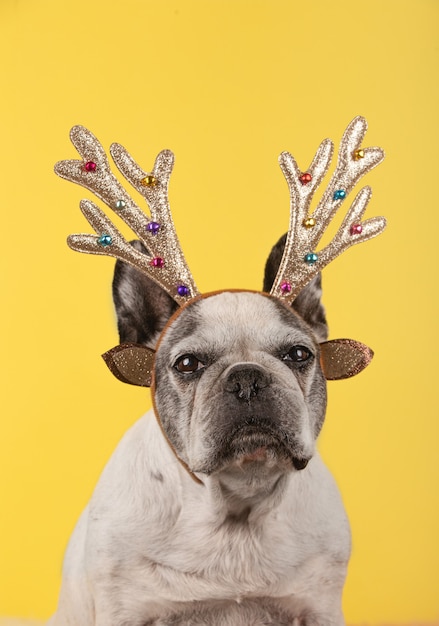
(344, 358)
(131, 363)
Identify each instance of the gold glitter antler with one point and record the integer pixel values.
(300, 261)
(164, 263)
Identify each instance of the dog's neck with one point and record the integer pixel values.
(239, 493)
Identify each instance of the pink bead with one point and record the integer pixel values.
(157, 262)
(356, 229)
(90, 166)
(285, 287)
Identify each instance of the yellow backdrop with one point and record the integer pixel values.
(227, 85)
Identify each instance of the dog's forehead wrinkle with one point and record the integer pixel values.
(237, 321)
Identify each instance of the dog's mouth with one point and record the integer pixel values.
(248, 446)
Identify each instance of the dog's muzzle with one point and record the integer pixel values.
(253, 430)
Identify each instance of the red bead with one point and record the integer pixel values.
(90, 166)
(157, 262)
(356, 229)
(305, 178)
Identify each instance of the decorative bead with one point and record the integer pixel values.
(356, 229)
(339, 194)
(309, 222)
(153, 227)
(157, 262)
(121, 204)
(90, 166)
(311, 258)
(305, 178)
(105, 240)
(182, 290)
(358, 154)
(285, 287)
(149, 181)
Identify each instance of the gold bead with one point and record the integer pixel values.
(358, 154)
(309, 222)
(148, 181)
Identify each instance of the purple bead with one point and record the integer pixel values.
(182, 290)
(153, 228)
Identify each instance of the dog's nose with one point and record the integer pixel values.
(245, 380)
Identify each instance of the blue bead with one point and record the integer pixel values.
(311, 258)
(339, 194)
(105, 240)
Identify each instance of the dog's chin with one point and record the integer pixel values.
(255, 452)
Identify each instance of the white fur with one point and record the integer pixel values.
(145, 545)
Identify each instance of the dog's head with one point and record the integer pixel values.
(238, 379)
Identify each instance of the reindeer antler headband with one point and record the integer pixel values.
(165, 263)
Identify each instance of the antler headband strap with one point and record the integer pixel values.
(134, 363)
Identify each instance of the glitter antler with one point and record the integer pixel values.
(164, 263)
(300, 261)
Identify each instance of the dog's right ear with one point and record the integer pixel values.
(143, 308)
(308, 302)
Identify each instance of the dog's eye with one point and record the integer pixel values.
(298, 354)
(188, 363)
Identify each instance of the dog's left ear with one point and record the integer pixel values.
(308, 302)
(143, 308)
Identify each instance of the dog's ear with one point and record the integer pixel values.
(142, 307)
(308, 302)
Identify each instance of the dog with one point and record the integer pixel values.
(222, 512)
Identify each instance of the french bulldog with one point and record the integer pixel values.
(215, 508)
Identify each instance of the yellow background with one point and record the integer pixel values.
(227, 85)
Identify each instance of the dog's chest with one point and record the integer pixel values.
(173, 542)
(234, 559)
